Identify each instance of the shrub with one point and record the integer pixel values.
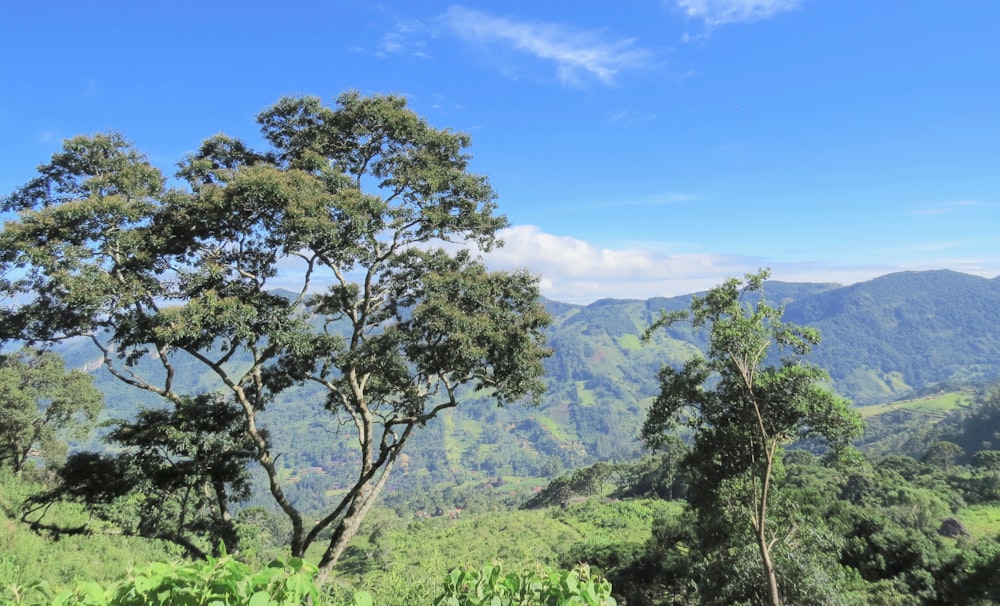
(542, 587)
(220, 581)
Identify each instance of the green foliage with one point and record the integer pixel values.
(368, 188)
(489, 586)
(971, 579)
(979, 429)
(213, 582)
(943, 454)
(586, 481)
(661, 475)
(42, 406)
(402, 561)
(901, 432)
(982, 483)
(860, 533)
(416, 552)
(905, 331)
(864, 533)
(174, 476)
(486, 443)
(891, 337)
(930, 405)
(612, 534)
(41, 559)
(650, 476)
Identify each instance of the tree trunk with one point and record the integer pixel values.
(227, 528)
(348, 527)
(765, 549)
(772, 579)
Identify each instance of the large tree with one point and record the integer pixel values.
(364, 211)
(748, 396)
(42, 407)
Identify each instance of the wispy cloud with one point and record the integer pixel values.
(578, 55)
(573, 270)
(405, 39)
(631, 117)
(722, 12)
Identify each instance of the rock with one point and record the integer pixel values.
(953, 528)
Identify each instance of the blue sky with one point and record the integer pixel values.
(639, 148)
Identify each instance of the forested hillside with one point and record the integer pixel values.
(883, 339)
(905, 332)
(893, 337)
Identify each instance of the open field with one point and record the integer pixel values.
(936, 406)
(982, 521)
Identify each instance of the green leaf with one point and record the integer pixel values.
(261, 598)
(144, 584)
(571, 582)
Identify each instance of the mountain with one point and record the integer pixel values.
(905, 332)
(883, 339)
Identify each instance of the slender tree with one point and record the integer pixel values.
(358, 208)
(744, 405)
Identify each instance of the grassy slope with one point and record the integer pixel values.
(982, 521)
(26, 557)
(933, 406)
(403, 561)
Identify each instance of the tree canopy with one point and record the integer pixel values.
(363, 215)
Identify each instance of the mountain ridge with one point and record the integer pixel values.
(894, 322)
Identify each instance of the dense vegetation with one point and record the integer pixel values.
(867, 530)
(688, 451)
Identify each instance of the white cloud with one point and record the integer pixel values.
(722, 12)
(575, 271)
(577, 54)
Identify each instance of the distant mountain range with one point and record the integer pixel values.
(882, 339)
(895, 336)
